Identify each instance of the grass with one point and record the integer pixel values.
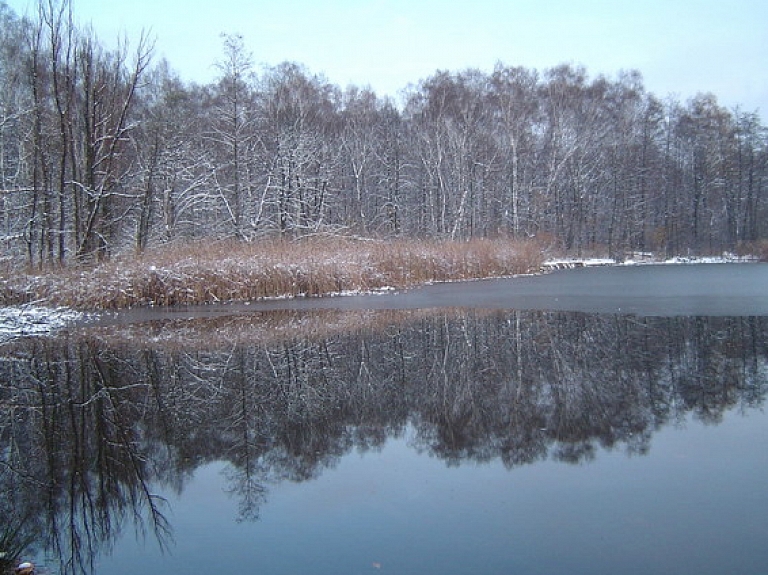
(227, 271)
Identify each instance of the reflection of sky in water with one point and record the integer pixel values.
(305, 391)
(695, 504)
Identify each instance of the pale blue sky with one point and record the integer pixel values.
(680, 46)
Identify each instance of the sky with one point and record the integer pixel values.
(681, 47)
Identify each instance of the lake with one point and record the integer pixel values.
(587, 421)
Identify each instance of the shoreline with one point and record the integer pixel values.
(38, 317)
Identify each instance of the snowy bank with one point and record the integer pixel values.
(570, 263)
(643, 258)
(30, 320)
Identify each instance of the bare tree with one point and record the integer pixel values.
(233, 127)
(109, 89)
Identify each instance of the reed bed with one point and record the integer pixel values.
(229, 271)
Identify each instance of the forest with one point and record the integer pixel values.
(105, 151)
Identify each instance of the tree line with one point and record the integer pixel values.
(103, 151)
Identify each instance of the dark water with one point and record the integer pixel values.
(478, 440)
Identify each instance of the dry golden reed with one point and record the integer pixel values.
(226, 271)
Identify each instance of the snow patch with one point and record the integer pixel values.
(344, 293)
(725, 258)
(640, 258)
(28, 320)
(566, 264)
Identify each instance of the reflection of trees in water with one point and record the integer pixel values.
(73, 454)
(87, 424)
